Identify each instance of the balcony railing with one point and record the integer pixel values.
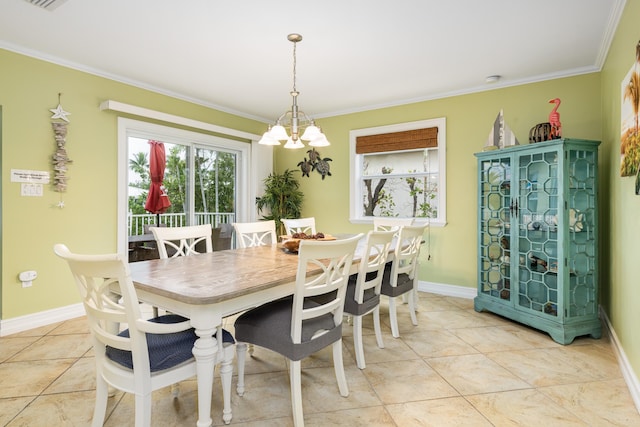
(137, 222)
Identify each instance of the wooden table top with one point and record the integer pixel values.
(217, 276)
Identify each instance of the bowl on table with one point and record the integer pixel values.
(291, 243)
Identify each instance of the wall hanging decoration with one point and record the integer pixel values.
(629, 139)
(305, 166)
(500, 135)
(315, 162)
(60, 157)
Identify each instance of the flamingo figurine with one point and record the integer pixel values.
(554, 120)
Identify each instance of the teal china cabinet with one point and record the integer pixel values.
(538, 237)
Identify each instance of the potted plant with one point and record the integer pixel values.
(281, 198)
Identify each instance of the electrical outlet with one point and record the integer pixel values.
(27, 278)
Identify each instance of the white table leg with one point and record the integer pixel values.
(204, 350)
(226, 372)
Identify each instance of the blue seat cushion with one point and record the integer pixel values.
(165, 350)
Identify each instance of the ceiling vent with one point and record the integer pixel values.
(47, 4)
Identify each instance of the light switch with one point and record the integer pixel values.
(31, 190)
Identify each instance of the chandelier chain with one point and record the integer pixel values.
(294, 66)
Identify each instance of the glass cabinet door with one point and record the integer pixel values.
(537, 217)
(581, 236)
(494, 226)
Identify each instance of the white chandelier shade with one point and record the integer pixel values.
(267, 139)
(292, 123)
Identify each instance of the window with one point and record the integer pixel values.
(208, 198)
(209, 179)
(399, 171)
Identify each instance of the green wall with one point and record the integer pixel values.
(87, 223)
(620, 266)
(469, 121)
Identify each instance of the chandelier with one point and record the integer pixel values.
(294, 125)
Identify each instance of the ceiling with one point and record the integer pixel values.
(356, 55)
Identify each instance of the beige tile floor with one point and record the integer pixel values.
(457, 368)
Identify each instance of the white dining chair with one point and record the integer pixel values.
(221, 237)
(363, 289)
(393, 223)
(249, 234)
(149, 354)
(182, 241)
(400, 277)
(300, 225)
(259, 233)
(383, 223)
(298, 326)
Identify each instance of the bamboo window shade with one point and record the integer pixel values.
(397, 141)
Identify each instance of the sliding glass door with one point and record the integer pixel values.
(206, 179)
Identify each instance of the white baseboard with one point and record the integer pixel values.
(630, 377)
(447, 290)
(628, 374)
(36, 320)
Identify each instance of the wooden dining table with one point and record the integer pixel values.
(207, 287)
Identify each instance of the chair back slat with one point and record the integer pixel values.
(374, 258)
(259, 233)
(300, 225)
(183, 241)
(391, 224)
(407, 251)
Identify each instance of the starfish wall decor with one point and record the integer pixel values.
(59, 113)
(60, 157)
